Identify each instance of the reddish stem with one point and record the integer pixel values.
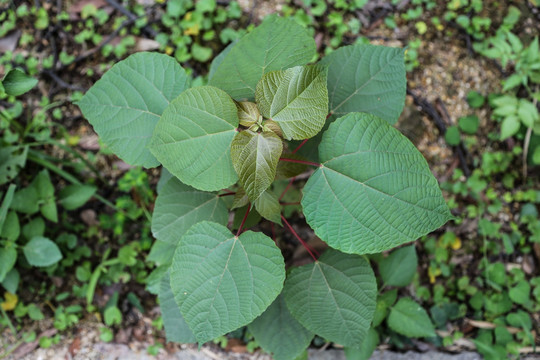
(301, 162)
(287, 188)
(243, 221)
(310, 251)
(300, 146)
(227, 194)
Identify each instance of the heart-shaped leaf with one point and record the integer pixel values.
(279, 333)
(221, 281)
(255, 157)
(124, 106)
(333, 297)
(176, 328)
(367, 78)
(296, 98)
(193, 138)
(179, 206)
(373, 191)
(276, 44)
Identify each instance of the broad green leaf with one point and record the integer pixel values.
(6, 203)
(274, 45)
(333, 297)
(367, 78)
(253, 218)
(366, 350)
(41, 251)
(248, 113)
(161, 252)
(43, 185)
(26, 201)
(12, 160)
(35, 227)
(16, 82)
(399, 267)
(373, 191)
(179, 206)
(49, 210)
(8, 257)
(219, 59)
(153, 280)
(520, 293)
(193, 138)
(176, 328)
(278, 332)
(410, 319)
(74, 196)
(510, 126)
(12, 228)
(221, 281)
(296, 98)
(11, 280)
(124, 106)
(267, 205)
(255, 157)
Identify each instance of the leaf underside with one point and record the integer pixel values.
(193, 138)
(374, 190)
(296, 98)
(255, 157)
(334, 297)
(274, 45)
(124, 106)
(221, 281)
(367, 78)
(179, 206)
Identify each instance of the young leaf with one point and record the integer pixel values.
(287, 169)
(268, 206)
(255, 157)
(16, 82)
(278, 332)
(124, 106)
(410, 319)
(399, 267)
(296, 98)
(248, 113)
(333, 297)
(274, 45)
(8, 257)
(221, 281)
(41, 251)
(176, 328)
(193, 138)
(374, 190)
(367, 78)
(179, 206)
(240, 198)
(75, 196)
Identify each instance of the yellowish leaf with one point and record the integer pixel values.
(10, 302)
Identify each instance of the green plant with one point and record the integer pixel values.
(371, 190)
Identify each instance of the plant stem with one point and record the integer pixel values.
(243, 221)
(301, 162)
(299, 146)
(287, 188)
(310, 251)
(9, 323)
(227, 194)
(526, 151)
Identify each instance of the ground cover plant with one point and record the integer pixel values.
(371, 190)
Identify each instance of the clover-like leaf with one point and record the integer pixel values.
(334, 297)
(267, 205)
(176, 328)
(276, 44)
(193, 138)
(373, 191)
(221, 281)
(296, 98)
(255, 157)
(279, 333)
(179, 206)
(124, 106)
(367, 78)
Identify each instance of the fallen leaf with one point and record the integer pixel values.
(10, 302)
